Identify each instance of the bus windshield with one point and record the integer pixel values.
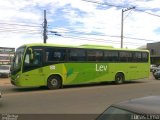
(18, 58)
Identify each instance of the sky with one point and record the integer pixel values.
(78, 22)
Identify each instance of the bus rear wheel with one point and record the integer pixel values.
(119, 78)
(54, 82)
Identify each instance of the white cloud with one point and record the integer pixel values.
(150, 4)
(140, 25)
(82, 16)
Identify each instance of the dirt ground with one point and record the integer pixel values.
(5, 81)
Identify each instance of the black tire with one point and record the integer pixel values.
(54, 82)
(119, 78)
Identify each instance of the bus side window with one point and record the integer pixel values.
(37, 58)
(144, 57)
(111, 56)
(123, 56)
(95, 55)
(55, 54)
(36, 61)
(77, 55)
(137, 56)
(91, 55)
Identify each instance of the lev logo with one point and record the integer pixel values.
(101, 68)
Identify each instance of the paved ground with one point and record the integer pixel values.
(89, 100)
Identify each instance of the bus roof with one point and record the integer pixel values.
(87, 46)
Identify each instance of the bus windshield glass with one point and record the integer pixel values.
(18, 58)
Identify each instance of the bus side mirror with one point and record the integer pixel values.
(31, 55)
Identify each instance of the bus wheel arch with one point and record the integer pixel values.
(119, 78)
(54, 81)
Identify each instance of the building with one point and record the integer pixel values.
(154, 49)
(6, 55)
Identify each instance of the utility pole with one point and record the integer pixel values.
(122, 30)
(123, 10)
(45, 28)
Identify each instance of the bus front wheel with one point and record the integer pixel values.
(54, 82)
(119, 78)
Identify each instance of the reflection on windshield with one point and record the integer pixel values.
(114, 113)
(18, 58)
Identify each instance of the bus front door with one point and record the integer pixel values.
(33, 74)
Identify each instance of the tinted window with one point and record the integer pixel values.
(137, 56)
(94, 55)
(125, 56)
(113, 113)
(145, 57)
(37, 59)
(111, 56)
(77, 55)
(55, 54)
(32, 63)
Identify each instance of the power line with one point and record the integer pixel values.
(140, 39)
(98, 40)
(109, 41)
(83, 38)
(75, 33)
(86, 39)
(148, 13)
(19, 31)
(127, 14)
(104, 3)
(20, 24)
(119, 6)
(15, 28)
(82, 33)
(19, 28)
(25, 32)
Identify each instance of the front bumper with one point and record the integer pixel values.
(15, 82)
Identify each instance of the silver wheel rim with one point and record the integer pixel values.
(119, 79)
(54, 82)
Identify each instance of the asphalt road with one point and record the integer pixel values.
(83, 99)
